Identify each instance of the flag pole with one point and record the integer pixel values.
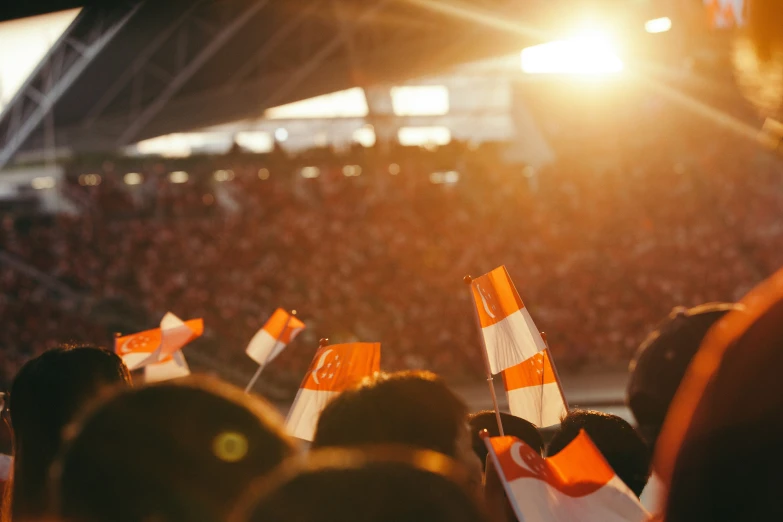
(269, 354)
(490, 382)
(554, 370)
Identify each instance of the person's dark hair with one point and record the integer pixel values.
(622, 447)
(662, 359)
(414, 408)
(382, 484)
(177, 451)
(46, 394)
(516, 426)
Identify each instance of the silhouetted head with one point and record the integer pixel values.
(661, 362)
(622, 447)
(719, 450)
(177, 451)
(382, 484)
(516, 426)
(46, 394)
(410, 408)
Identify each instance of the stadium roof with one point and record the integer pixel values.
(126, 71)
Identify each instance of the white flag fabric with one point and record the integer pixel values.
(173, 367)
(533, 391)
(275, 335)
(576, 485)
(510, 336)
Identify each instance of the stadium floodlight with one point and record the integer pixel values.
(364, 136)
(281, 134)
(255, 141)
(424, 136)
(420, 100)
(350, 103)
(223, 175)
(590, 53)
(90, 180)
(133, 178)
(352, 171)
(310, 172)
(43, 183)
(178, 176)
(658, 25)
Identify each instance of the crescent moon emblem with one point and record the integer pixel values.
(321, 363)
(516, 455)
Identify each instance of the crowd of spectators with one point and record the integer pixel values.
(599, 250)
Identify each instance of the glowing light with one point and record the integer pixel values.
(588, 54)
(420, 100)
(310, 172)
(90, 180)
(394, 169)
(263, 174)
(352, 171)
(424, 136)
(178, 176)
(281, 134)
(448, 177)
(223, 175)
(255, 141)
(132, 178)
(658, 25)
(43, 182)
(365, 136)
(350, 103)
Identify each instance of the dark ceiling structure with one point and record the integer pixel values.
(126, 71)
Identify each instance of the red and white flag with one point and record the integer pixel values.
(575, 485)
(157, 345)
(275, 335)
(334, 369)
(172, 367)
(510, 336)
(533, 391)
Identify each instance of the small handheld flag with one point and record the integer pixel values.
(152, 346)
(509, 334)
(334, 369)
(270, 340)
(575, 485)
(173, 367)
(273, 337)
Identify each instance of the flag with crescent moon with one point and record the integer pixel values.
(510, 336)
(574, 485)
(159, 344)
(334, 369)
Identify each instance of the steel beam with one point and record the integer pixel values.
(187, 72)
(30, 106)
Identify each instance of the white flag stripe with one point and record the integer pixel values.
(542, 405)
(510, 341)
(262, 344)
(303, 416)
(164, 371)
(540, 502)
